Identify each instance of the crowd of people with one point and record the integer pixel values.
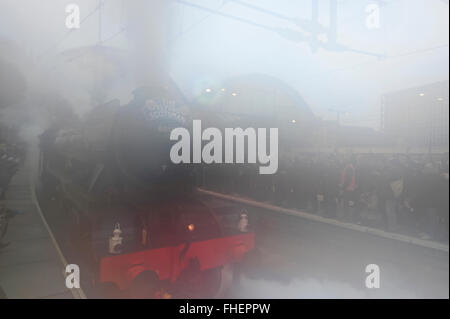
(399, 193)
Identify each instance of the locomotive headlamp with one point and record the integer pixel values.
(191, 227)
(243, 222)
(115, 242)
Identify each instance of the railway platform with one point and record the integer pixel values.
(31, 262)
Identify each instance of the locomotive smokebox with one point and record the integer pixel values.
(140, 137)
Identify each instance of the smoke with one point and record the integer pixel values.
(148, 29)
(77, 74)
(312, 289)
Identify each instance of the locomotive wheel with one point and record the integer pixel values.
(146, 285)
(227, 275)
(211, 283)
(251, 262)
(252, 258)
(108, 290)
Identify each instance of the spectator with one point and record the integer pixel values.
(348, 190)
(401, 193)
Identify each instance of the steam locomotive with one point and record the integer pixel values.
(135, 217)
